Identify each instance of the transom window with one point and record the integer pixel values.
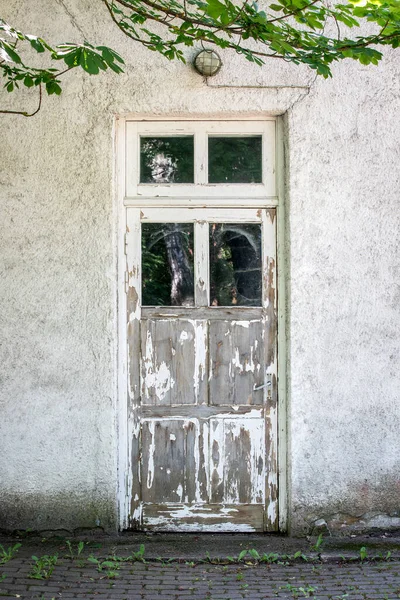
(201, 159)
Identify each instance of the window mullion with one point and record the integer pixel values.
(200, 155)
(201, 268)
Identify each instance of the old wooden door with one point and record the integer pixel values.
(200, 247)
(205, 438)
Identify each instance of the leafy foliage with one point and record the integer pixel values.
(43, 566)
(16, 72)
(292, 30)
(7, 554)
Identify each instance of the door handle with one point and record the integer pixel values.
(260, 387)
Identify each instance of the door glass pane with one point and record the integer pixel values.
(167, 159)
(235, 264)
(167, 264)
(235, 159)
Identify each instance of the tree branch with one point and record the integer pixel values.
(24, 113)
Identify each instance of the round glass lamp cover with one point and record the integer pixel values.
(207, 63)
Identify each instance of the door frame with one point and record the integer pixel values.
(124, 422)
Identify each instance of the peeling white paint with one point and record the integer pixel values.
(157, 378)
(176, 517)
(151, 451)
(184, 336)
(137, 514)
(179, 492)
(200, 356)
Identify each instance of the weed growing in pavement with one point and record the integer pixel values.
(272, 557)
(190, 563)
(8, 554)
(108, 567)
(137, 556)
(71, 552)
(320, 540)
(134, 557)
(252, 557)
(363, 553)
(43, 566)
(387, 556)
(111, 565)
(299, 592)
(2, 577)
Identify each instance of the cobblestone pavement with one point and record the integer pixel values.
(79, 578)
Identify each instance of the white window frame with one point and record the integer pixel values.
(195, 193)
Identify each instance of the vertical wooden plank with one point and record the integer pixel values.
(201, 262)
(201, 366)
(183, 336)
(238, 467)
(220, 349)
(217, 461)
(133, 270)
(163, 460)
(270, 397)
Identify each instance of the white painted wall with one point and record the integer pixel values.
(58, 465)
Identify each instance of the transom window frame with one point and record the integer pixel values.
(136, 193)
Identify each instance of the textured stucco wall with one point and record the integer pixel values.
(58, 465)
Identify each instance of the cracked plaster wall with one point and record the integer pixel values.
(58, 295)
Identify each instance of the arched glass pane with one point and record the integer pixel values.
(235, 264)
(167, 264)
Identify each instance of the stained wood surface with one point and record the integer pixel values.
(203, 517)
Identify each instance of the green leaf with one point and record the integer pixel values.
(8, 52)
(109, 54)
(52, 87)
(215, 9)
(242, 555)
(28, 81)
(37, 45)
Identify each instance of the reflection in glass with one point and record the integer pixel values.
(167, 159)
(235, 264)
(167, 264)
(234, 159)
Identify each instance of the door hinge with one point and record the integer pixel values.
(125, 244)
(126, 282)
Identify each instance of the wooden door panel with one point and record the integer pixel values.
(236, 362)
(237, 448)
(173, 362)
(173, 465)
